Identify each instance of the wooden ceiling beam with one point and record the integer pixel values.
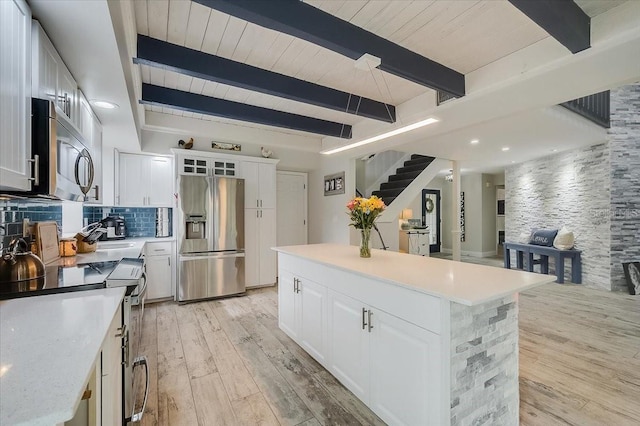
(192, 102)
(306, 22)
(562, 19)
(161, 54)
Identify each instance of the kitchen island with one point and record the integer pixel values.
(421, 341)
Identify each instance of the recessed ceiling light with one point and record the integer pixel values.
(474, 141)
(554, 150)
(505, 148)
(512, 162)
(103, 104)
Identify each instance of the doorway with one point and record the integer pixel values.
(431, 217)
(291, 208)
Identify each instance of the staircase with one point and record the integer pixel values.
(403, 177)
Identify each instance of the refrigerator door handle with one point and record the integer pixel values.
(210, 256)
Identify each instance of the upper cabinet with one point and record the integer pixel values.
(51, 78)
(144, 181)
(260, 188)
(15, 95)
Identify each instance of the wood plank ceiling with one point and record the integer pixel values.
(462, 34)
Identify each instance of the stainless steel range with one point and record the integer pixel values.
(130, 273)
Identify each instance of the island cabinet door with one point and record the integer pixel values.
(287, 309)
(405, 372)
(313, 318)
(348, 343)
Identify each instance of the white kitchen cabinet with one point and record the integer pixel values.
(85, 119)
(414, 354)
(67, 93)
(159, 270)
(287, 298)
(303, 313)
(144, 181)
(160, 181)
(338, 318)
(348, 343)
(260, 185)
(260, 236)
(45, 63)
(111, 383)
(15, 95)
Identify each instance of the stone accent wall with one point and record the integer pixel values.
(624, 136)
(484, 363)
(568, 189)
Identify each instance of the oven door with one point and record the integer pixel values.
(136, 367)
(74, 165)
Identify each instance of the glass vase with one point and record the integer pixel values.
(365, 237)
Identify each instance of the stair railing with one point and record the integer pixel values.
(384, 246)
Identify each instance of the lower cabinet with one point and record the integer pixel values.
(391, 364)
(260, 236)
(159, 270)
(302, 306)
(101, 402)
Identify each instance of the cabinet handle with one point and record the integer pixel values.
(97, 192)
(257, 203)
(169, 260)
(370, 325)
(364, 318)
(122, 331)
(260, 203)
(295, 283)
(36, 169)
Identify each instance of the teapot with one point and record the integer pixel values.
(20, 270)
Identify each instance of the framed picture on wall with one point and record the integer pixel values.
(334, 184)
(632, 274)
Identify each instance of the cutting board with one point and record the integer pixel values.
(47, 239)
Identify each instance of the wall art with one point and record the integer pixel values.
(334, 184)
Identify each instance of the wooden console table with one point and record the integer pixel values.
(544, 252)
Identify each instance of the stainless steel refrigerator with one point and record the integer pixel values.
(211, 237)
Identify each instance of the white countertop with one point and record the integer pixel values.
(112, 250)
(464, 283)
(48, 345)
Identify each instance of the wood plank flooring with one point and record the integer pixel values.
(226, 362)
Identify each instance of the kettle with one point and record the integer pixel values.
(20, 270)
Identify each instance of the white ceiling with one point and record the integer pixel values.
(489, 40)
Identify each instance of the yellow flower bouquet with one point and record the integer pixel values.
(363, 213)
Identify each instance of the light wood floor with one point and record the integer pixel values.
(225, 362)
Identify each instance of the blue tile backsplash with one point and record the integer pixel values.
(139, 221)
(12, 214)
(16, 211)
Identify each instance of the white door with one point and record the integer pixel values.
(287, 309)
(292, 208)
(132, 181)
(160, 182)
(15, 93)
(405, 376)
(267, 179)
(158, 276)
(250, 173)
(313, 318)
(348, 343)
(252, 247)
(267, 256)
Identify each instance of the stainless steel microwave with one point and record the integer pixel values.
(63, 167)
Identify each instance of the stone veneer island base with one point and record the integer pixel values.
(420, 341)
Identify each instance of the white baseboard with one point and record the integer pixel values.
(471, 253)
